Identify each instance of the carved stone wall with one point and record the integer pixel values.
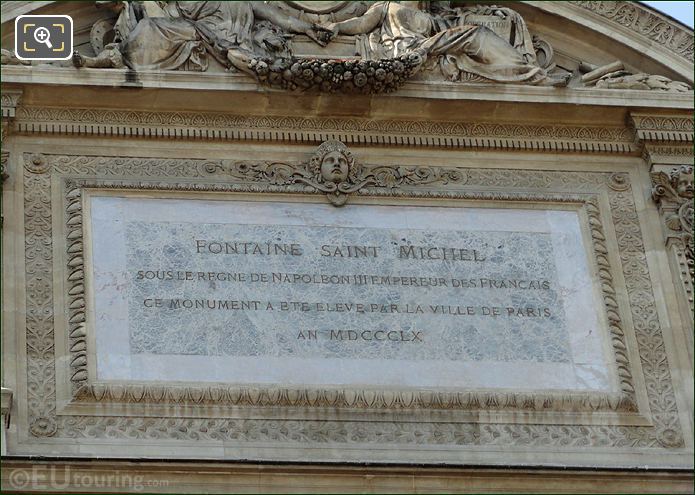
(607, 199)
(620, 162)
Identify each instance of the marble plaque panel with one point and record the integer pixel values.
(304, 294)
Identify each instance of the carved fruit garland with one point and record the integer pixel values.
(337, 76)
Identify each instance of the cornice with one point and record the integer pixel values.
(188, 82)
(210, 476)
(10, 100)
(663, 138)
(650, 127)
(310, 130)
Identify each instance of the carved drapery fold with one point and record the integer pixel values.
(469, 44)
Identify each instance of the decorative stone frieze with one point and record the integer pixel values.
(149, 322)
(254, 37)
(658, 127)
(399, 133)
(334, 171)
(645, 23)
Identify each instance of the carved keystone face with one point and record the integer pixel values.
(685, 186)
(334, 167)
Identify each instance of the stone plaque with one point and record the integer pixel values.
(264, 292)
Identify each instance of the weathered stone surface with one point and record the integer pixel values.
(603, 384)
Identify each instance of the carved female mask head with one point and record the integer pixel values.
(334, 167)
(682, 179)
(332, 162)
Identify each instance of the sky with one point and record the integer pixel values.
(682, 10)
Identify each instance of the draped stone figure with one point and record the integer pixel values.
(180, 35)
(399, 28)
(520, 38)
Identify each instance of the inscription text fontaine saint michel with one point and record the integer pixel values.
(304, 293)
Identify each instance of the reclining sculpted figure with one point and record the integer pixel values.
(400, 28)
(182, 35)
(168, 36)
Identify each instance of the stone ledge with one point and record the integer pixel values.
(122, 78)
(22, 474)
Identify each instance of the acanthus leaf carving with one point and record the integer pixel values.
(10, 101)
(673, 192)
(334, 171)
(40, 345)
(652, 350)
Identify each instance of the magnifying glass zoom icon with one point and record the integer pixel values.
(43, 35)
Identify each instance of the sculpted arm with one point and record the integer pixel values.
(271, 13)
(363, 24)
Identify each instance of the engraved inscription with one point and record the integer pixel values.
(225, 291)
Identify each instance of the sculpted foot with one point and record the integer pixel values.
(558, 80)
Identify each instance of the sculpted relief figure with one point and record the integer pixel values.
(399, 28)
(616, 76)
(249, 36)
(334, 171)
(383, 45)
(332, 163)
(392, 42)
(518, 35)
(180, 35)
